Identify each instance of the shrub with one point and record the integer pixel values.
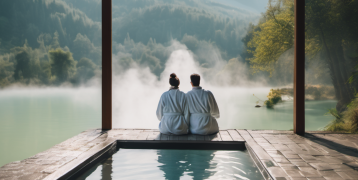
(274, 97)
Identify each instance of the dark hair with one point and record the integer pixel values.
(174, 80)
(195, 79)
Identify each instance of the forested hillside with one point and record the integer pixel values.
(37, 35)
(143, 31)
(41, 42)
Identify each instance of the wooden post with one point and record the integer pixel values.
(106, 64)
(299, 69)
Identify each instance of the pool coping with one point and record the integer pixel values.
(264, 172)
(85, 160)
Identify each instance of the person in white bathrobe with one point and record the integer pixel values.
(172, 111)
(203, 109)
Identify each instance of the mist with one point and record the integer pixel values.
(84, 96)
(137, 90)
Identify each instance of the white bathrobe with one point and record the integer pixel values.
(173, 113)
(203, 111)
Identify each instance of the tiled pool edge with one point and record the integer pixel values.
(85, 161)
(82, 164)
(264, 172)
(77, 167)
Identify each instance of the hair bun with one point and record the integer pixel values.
(173, 75)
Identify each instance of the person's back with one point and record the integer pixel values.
(173, 111)
(203, 109)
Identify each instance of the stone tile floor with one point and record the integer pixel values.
(317, 155)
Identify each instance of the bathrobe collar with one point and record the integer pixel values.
(173, 87)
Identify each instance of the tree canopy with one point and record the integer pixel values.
(273, 36)
(331, 34)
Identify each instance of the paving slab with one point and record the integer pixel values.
(330, 175)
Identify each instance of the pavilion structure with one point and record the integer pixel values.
(282, 155)
(299, 67)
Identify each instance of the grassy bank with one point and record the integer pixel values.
(346, 121)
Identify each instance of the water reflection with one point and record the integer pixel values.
(175, 163)
(107, 169)
(200, 163)
(207, 164)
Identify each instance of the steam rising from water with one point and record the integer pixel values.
(136, 92)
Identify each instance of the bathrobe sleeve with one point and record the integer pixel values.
(160, 108)
(186, 111)
(214, 109)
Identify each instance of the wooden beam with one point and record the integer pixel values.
(106, 64)
(299, 69)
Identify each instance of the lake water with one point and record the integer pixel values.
(33, 120)
(175, 164)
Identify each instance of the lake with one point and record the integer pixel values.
(35, 119)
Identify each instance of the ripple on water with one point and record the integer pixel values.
(175, 164)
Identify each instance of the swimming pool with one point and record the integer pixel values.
(174, 164)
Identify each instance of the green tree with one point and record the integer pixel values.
(86, 70)
(83, 47)
(248, 51)
(273, 36)
(22, 66)
(63, 66)
(6, 70)
(331, 28)
(45, 75)
(27, 64)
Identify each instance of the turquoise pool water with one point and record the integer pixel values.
(175, 164)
